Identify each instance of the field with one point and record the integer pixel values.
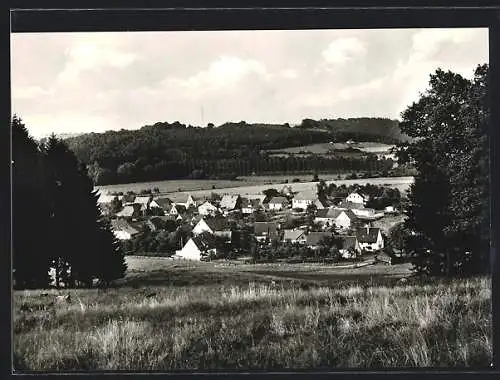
(323, 148)
(252, 185)
(173, 315)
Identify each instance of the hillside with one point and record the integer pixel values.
(175, 151)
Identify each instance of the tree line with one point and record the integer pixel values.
(173, 151)
(57, 222)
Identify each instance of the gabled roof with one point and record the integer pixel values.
(367, 234)
(128, 211)
(293, 234)
(142, 200)
(306, 195)
(180, 208)
(363, 195)
(106, 198)
(204, 241)
(217, 224)
(349, 242)
(332, 213)
(265, 227)
(350, 205)
(164, 203)
(229, 201)
(208, 203)
(122, 225)
(349, 214)
(278, 200)
(314, 238)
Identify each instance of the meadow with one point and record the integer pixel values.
(252, 185)
(170, 315)
(324, 148)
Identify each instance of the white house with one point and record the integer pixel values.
(357, 197)
(207, 208)
(304, 199)
(370, 239)
(344, 219)
(198, 247)
(278, 203)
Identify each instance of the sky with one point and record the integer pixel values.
(94, 82)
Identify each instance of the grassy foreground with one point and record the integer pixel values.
(257, 325)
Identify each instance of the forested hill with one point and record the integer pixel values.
(174, 150)
(360, 129)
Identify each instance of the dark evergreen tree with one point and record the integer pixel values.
(30, 210)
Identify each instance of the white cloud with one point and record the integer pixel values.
(427, 42)
(29, 92)
(342, 50)
(88, 55)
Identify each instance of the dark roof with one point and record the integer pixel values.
(292, 234)
(204, 241)
(367, 234)
(217, 224)
(314, 238)
(350, 214)
(278, 200)
(328, 213)
(350, 205)
(180, 208)
(265, 227)
(349, 242)
(164, 203)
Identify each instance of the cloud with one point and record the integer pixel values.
(29, 92)
(343, 50)
(88, 55)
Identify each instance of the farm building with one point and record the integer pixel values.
(265, 230)
(294, 236)
(131, 211)
(198, 247)
(123, 230)
(278, 203)
(106, 199)
(370, 239)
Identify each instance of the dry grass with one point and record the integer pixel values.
(258, 326)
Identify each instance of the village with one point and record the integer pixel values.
(235, 226)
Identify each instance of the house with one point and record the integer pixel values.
(164, 203)
(177, 209)
(304, 199)
(327, 216)
(367, 213)
(357, 197)
(345, 219)
(350, 247)
(207, 208)
(278, 203)
(182, 199)
(216, 226)
(130, 211)
(314, 239)
(294, 236)
(265, 230)
(146, 203)
(390, 210)
(123, 230)
(370, 239)
(249, 206)
(230, 202)
(198, 247)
